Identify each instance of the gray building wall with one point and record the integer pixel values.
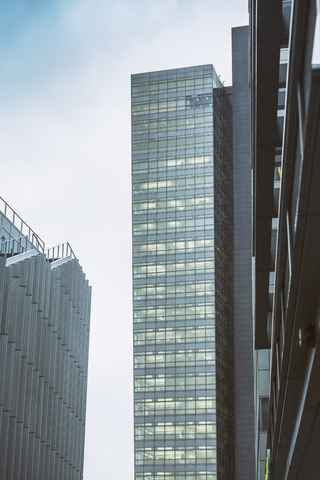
(44, 337)
(243, 324)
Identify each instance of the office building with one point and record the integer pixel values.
(183, 273)
(285, 56)
(44, 336)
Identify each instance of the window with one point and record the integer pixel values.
(198, 101)
(264, 414)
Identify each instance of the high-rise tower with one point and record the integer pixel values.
(183, 275)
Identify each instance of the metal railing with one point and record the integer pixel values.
(60, 251)
(14, 246)
(22, 226)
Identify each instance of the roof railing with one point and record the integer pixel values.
(14, 246)
(22, 226)
(60, 251)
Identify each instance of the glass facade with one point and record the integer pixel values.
(182, 275)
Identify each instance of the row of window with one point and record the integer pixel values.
(169, 167)
(173, 204)
(179, 431)
(171, 124)
(176, 288)
(163, 286)
(160, 383)
(182, 222)
(170, 247)
(182, 152)
(161, 93)
(144, 294)
(172, 476)
(178, 335)
(171, 104)
(180, 165)
(170, 406)
(180, 358)
(156, 106)
(178, 456)
(178, 312)
(191, 181)
(171, 143)
(198, 100)
(184, 210)
(164, 76)
(170, 268)
(162, 85)
(192, 224)
(178, 136)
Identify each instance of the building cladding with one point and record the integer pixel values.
(242, 264)
(44, 336)
(285, 40)
(182, 194)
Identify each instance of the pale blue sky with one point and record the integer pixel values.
(65, 155)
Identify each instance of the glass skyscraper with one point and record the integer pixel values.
(182, 191)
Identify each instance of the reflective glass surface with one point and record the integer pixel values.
(182, 266)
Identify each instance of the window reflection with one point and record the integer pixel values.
(174, 274)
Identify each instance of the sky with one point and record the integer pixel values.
(65, 158)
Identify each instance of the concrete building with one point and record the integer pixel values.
(285, 56)
(242, 263)
(191, 270)
(44, 337)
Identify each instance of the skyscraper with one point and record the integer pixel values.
(183, 275)
(44, 337)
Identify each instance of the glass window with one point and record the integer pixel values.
(264, 414)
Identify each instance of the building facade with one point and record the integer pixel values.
(44, 339)
(285, 57)
(182, 172)
(242, 263)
